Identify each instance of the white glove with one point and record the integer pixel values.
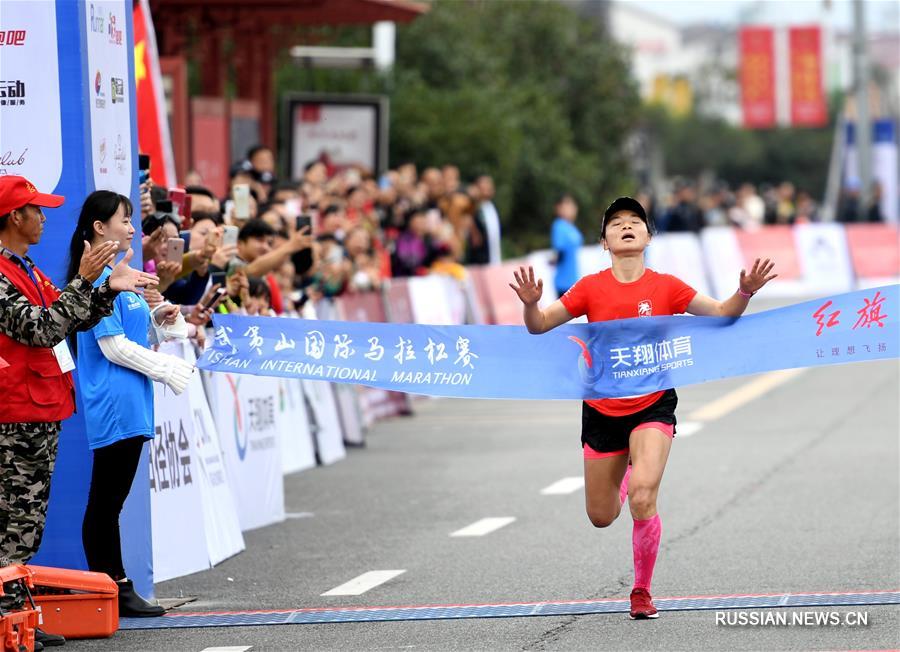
(164, 332)
(177, 374)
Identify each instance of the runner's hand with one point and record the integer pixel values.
(757, 277)
(529, 292)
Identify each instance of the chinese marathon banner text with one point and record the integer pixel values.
(807, 94)
(603, 359)
(757, 76)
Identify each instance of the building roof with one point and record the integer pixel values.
(302, 12)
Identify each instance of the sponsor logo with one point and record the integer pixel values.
(645, 308)
(9, 159)
(12, 92)
(587, 360)
(101, 156)
(96, 21)
(12, 37)
(119, 155)
(116, 90)
(115, 35)
(240, 430)
(108, 25)
(100, 100)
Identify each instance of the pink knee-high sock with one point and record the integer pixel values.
(623, 488)
(645, 543)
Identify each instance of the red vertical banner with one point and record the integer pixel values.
(153, 123)
(757, 76)
(807, 96)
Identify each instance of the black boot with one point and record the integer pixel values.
(134, 606)
(48, 639)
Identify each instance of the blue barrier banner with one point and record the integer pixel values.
(604, 359)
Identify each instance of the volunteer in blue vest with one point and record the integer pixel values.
(38, 392)
(116, 367)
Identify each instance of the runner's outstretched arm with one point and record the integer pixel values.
(736, 304)
(536, 320)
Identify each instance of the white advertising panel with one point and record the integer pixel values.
(107, 70)
(245, 416)
(30, 126)
(679, 254)
(824, 258)
(429, 301)
(297, 449)
(345, 134)
(220, 518)
(326, 422)
(176, 503)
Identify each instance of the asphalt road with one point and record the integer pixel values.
(796, 490)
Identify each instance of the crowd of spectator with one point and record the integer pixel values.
(688, 209)
(331, 232)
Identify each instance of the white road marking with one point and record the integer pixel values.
(484, 526)
(565, 486)
(687, 428)
(743, 395)
(366, 581)
(228, 648)
(298, 514)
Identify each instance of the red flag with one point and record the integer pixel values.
(757, 76)
(153, 123)
(807, 97)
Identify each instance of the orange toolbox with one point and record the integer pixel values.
(18, 614)
(76, 603)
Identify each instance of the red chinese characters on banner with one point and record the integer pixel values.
(757, 76)
(807, 95)
(820, 316)
(869, 315)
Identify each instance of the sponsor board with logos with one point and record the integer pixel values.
(110, 111)
(29, 93)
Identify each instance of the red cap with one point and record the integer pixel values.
(15, 192)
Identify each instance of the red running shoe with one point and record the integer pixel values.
(642, 605)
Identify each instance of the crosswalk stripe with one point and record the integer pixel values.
(361, 584)
(484, 526)
(564, 486)
(687, 428)
(743, 394)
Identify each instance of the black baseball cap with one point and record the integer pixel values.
(624, 204)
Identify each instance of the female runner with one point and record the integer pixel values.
(639, 427)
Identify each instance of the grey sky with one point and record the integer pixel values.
(884, 14)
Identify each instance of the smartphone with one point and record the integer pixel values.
(176, 196)
(241, 194)
(217, 296)
(186, 236)
(230, 237)
(304, 221)
(217, 278)
(143, 168)
(186, 220)
(174, 250)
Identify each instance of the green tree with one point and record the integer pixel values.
(529, 92)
